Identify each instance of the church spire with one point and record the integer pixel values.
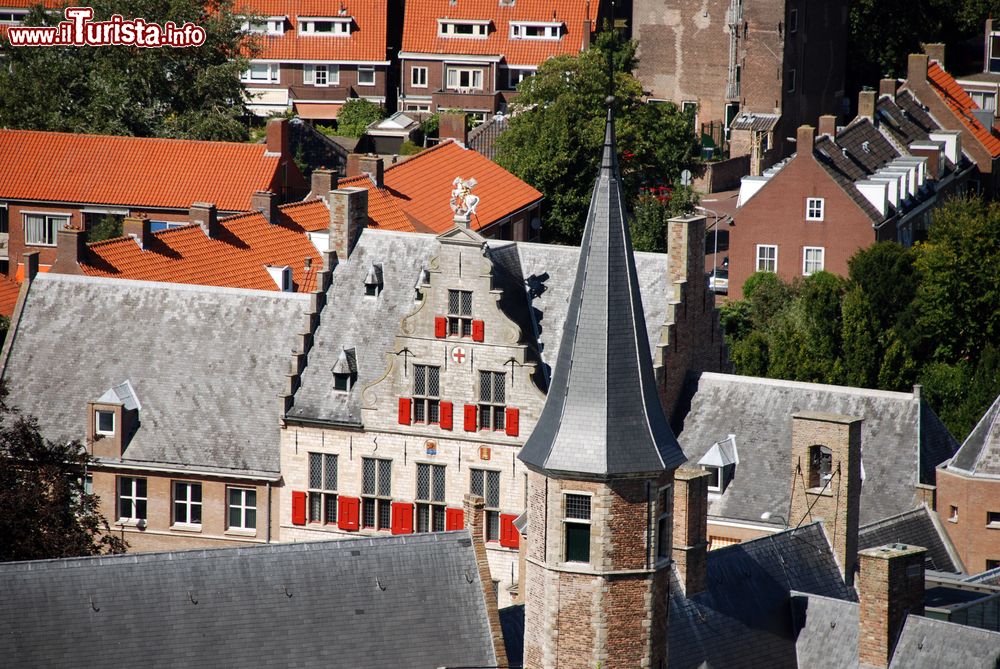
(602, 417)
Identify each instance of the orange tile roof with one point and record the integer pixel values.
(961, 104)
(9, 291)
(420, 190)
(420, 28)
(133, 171)
(366, 43)
(237, 258)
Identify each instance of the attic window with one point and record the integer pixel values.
(820, 466)
(720, 461)
(104, 423)
(715, 478)
(373, 280)
(463, 29)
(423, 280)
(550, 31)
(345, 370)
(339, 26)
(271, 25)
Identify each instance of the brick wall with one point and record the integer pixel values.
(890, 587)
(973, 498)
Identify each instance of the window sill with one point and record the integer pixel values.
(955, 520)
(823, 492)
(237, 532)
(993, 526)
(186, 527)
(132, 522)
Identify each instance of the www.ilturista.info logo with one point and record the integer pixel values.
(79, 30)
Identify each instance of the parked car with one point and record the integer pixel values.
(718, 282)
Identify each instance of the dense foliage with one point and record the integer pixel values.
(356, 115)
(928, 315)
(192, 92)
(44, 510)
(554, 142)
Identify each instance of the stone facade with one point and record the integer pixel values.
(826, 480)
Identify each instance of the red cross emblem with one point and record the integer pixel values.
(458, 355)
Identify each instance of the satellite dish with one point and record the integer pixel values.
(686, 178)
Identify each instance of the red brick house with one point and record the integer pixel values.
(314, 56)
(53, 180)
(470, 55)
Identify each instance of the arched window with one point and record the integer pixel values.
(820, 466)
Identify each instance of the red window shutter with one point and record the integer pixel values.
(509, 536)
(298, 508)
(440, 327)
(513, 416)
(402, 518)
(470, 417)
(445, 415)
(454, 519)
(347, 513)
(404, 410)
(478, 331)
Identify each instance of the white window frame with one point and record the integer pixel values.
(97, 422)
(341, 26)
(453, 78)
(551, 30)
(242, 506)
(447, 28)
(131, 493)
(589, 521)
(984, 99)
(271, 25)
(718, 473)
(993, 520)
(516, 75)
(418, 74)
(51, 225)
(773, 260)
(366, 70)
(815, 208)
(809, 266)
(273, 74)
(330, 74)
(188, 503)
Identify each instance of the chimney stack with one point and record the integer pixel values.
(451, 125)
(916, 69)
(348, 217)
(828, 125)
(888, 87)
(30, 266)
(374, 167)
(474, 506)
(690, 549)
(205, 215)
(866, 104)
(935, 52)
(71, 250)
(266, 203)
(322, 182)
(890, 587)
(805, 137)
(138, 228)
(279, 137)
(826, 480)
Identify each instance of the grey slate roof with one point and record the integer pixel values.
(536, 280)
(744, 616)
(905, 118)
(866, 146)
(925, 643)
(902, 440)
(602, 415)
(918, 527)
(980, 453)
(483, 137)
(413, 601)
(826, 631)
(206, 364)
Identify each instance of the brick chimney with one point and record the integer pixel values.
(888, 87)
(866, 104)
(890, 587)
(828, 125)
(138, 228)
(826, 480)
(30, 266)
(686, 248)
(690, 544)
(71, 250)
(205, 215)
(279, 136)
(916, 69)
(374, 167)
(451, 125)
(585, 28)
(266, 203)
(322, 182)
(805, 137)
(935, 51)
(473, 508)
(348, 217)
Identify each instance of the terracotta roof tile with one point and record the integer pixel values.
(367, 41)
(961, 104)
(420, 28)
(133, 171)
(9, 291)
(237, 258)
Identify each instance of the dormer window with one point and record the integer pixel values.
(720, 462)
(14, 16)
(345, 370)
(464, 29)
(373, 281)
(423, 280)
(271, 25)
(338, 26)
(820, 466)
(104, 422)
(546, 30)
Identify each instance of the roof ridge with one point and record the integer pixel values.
(884, 521)
(300, 203)
(171, 140)
(168, 285)
(872, 392)
(425, 152)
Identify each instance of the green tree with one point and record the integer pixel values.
(648, 224)
(108, 227)
(44, 510)
(356, 115)
(192, 92)
(554, 142)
